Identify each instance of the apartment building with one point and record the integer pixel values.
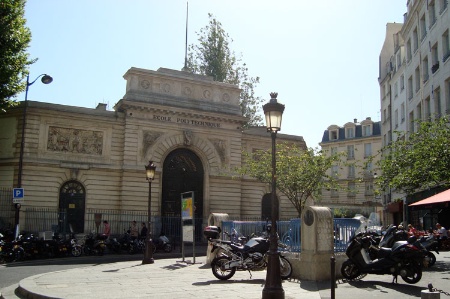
(359, 141)
(414, 78)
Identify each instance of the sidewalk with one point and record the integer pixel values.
(173, 278)
(168, 278)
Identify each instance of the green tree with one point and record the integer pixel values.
(419, 160)
(212, 56)
(300, 173)
(14, 41)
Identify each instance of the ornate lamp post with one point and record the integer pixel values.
(273, 288)
(46, 79)
(148, 255)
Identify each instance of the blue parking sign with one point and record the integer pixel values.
(18, 193)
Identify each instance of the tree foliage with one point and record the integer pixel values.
(418, 162)
(14, 41)
(300, 173)
(212, 56)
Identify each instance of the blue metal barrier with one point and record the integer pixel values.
(290, 231)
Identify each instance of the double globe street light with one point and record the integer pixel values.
(273, 288)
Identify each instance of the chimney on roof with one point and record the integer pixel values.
(368, 118)
(101, 106)
(355, 120)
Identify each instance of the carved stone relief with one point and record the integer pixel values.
(149, 140)
(166, 88)
(207, 94)
(187, 137)
(145, 84)
(226, 97)
(75, 141)
(221, 148)
(187, 91)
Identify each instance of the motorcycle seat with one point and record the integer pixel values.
(384, 252)
(237, 246)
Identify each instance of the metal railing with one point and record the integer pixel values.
(55, 220)
(7, 212)
(290, 231)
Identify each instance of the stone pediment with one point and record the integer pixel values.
(181, 89)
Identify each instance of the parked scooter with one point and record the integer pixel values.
(404, 259)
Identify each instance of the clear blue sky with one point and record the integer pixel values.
(320, 56)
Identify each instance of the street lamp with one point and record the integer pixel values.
(46, 79)
(148, 255)
(273, 288)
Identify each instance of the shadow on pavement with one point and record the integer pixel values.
(230, 281)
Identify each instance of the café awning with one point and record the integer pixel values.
(442, 197)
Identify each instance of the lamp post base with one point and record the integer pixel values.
(148, 261)
(148, 254)
(273, 293)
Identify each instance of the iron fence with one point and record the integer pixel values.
(7, 212)
(47, 219)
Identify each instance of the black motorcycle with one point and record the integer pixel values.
(94, 245)
(404, 259)
(253, 256)
(162, 243)
(393, 234)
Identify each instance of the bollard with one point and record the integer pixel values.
(431, 293)
(426, 294)
(333, 275)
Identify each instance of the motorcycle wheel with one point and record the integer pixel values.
(413, 273)
(432, 258)
(131, 249)
(168, 248)
(349, 270)
(218, 270)
(76, 250)
(285, 268)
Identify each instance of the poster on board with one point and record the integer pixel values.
(187, 216)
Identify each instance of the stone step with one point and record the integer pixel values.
(9, 292)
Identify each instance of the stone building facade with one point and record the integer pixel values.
(189, 125)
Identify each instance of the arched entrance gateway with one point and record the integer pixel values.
(182, 172)
(72, 198)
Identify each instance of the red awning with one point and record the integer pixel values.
(438, 198)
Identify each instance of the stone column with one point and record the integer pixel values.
(316, 243)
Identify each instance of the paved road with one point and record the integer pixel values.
(171, 278)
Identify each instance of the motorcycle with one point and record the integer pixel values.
(393, 234)
(74, 248)
(404, 259)
(253, 256)
(128, 243)
(94, 245)
(162, 243)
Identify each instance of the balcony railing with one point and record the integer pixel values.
(435, 67)
(446, 56)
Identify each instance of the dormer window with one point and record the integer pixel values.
(334, 135)
(367, 130)
(349, 133)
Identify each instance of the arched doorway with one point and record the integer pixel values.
(72, 198)
(182, 172)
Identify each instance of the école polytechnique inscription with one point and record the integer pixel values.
(75, 141)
